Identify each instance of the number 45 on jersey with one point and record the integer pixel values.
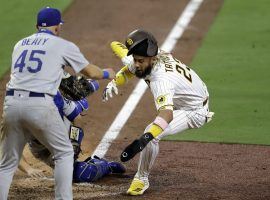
(34, 58)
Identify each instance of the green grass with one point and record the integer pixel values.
(234, 62)
(17, 20)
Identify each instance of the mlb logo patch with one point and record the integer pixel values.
(74, 133)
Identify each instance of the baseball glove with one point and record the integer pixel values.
(76, 88)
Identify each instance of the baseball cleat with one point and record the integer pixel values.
(137, 187)
(119, 49)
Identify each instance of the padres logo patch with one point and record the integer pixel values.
(129, 41)
(161, 100)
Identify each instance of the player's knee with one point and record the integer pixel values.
(108, 167)
(90, 171)
(69, 152)
(9, 162)
(65, 153)
(116, 167)
(102, 165)
(83, 172)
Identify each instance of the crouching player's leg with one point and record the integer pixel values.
(93, 169)
(76, 135)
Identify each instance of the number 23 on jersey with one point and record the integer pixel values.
(35, 58)
(183, 70)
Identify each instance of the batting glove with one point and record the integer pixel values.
(109, 90)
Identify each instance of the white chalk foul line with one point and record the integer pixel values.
(141, 87)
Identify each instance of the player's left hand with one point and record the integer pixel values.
(135, 147)
(109, 90)
(35, 173)
(76, 88)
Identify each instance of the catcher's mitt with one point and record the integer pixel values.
(76, 88)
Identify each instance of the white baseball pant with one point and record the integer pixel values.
(24, 116)
(182, 120)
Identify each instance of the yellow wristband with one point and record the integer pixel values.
(120, 78)
(123, 76)
(155, 130)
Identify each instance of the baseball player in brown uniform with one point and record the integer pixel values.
(180, 96)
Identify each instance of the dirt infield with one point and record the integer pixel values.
(183, 170)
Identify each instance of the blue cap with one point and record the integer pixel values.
(49, 17)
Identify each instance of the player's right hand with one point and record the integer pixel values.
(109, 90)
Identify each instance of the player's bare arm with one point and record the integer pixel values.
(30, 171)
(94, 72)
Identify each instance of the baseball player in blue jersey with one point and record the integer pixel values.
(88, 170)
(29, 109)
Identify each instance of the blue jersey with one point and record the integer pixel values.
(69, 109)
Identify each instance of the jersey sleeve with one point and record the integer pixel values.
(127, 60)
(163, 91)
(74, 58)
(70, 109)
(131, 66)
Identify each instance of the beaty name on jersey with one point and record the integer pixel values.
(36, 41)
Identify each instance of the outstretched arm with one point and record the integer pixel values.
(94, 72)
(30, 171)
(121, 78)
(120, 50)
